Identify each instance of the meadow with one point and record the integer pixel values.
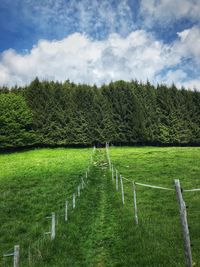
(100, 231)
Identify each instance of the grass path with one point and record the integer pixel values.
(92, 236)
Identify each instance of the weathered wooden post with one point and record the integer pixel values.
(82, 183)
(184, 224)
(135, 203)
(116, 180)
(66, 210)
(15, 255)
(108, 156)
(53, 226)
(112, 173)
(122, 188)
(79, 191)
(74, 201)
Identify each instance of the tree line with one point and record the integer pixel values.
(122, 113)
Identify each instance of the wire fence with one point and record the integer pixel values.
(179, 193)
(34, 247)
(70, 204)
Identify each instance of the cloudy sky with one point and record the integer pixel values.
(96, 41)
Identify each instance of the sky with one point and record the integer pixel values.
(98, 41)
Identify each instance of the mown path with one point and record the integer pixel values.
(92, 235)
(102, 237)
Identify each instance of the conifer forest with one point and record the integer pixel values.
(48, 113)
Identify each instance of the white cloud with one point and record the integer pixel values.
(84, 60)
(81, 59)
(167, 11)
(189, 44)
(94, 17)
(173, 76)
(192, 84)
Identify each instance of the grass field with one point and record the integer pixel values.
(100, 231)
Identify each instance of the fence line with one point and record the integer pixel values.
(191, 190)
(159, 187)
(148, 185)
(154, 186)
(52, 233)
(183, 214)
(182, 209)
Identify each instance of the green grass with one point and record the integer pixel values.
(158, 235)
(32, 185)
(100, 231)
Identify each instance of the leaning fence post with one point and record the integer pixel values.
(74, 201)
(53, 226)
(184, 224)
(135, 203)
(116, 180)
(122, 188)
(66, 210)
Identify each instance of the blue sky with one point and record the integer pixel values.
(96, 41)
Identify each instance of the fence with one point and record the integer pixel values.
(119, 180)
(179, 194)
(52, 233)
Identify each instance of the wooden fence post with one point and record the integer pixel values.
(117, 181)
(122, 188)
(74, 201)
(79, 193)
(184, 224)
(66, 210)
(135, 203)
(15, 255)
(53, 226)
(108, 156)
(112, 173)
